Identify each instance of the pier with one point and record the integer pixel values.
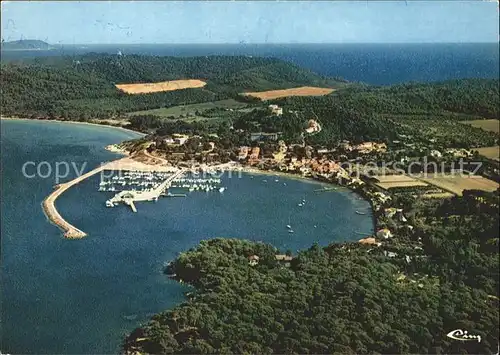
(129, 197)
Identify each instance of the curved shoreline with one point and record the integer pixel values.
(128, 130)
(71, 232)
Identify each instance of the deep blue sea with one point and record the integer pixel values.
(83, 296)
(377, 64)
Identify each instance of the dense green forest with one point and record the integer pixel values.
(366, 119)
(431, 110)
(426, 112)
(80, 88)
(345, 298)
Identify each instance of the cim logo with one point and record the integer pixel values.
(462, 335)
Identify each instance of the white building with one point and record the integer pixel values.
(276, 110)
(384, 234)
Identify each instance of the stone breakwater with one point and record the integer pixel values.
(49, 207)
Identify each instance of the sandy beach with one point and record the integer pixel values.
(129, 163)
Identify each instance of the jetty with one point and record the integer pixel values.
(49, 207)
(126, 163)
(129, 197)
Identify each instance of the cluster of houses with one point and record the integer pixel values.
(364, 148)
(264, 136)
(176, 139)
(275, 110)
(251, 153)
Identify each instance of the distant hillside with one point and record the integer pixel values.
(223, 73)
(84, 86)
(25, 44)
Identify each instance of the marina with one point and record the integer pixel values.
(128, 197)
(133, 186)
(157, 188)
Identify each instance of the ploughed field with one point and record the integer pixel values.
(492, 125)
(457, 184)
(390, 181)
(300, 91)
(490, 152)
(436, 185)
(147, 88)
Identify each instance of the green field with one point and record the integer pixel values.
(194, 111)
(488, 125)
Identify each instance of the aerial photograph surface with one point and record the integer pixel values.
(250, 177)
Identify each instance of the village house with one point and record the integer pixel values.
(176, 139)
(368, 147)
(323, 151)
(180, 139)
(275, 110)
(313, 126)
(436, 154)
(285, 259)
(355, 182)
(243, 153)
(254, 155)
(262, 136)
(253, 260)
(390, 254)
(390, 212)
(384, 234)
(459, 153)
(381, 197)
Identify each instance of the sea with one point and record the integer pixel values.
(375, 64)
(84, 296)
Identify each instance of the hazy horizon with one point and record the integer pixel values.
(241, 43)
(257, 22)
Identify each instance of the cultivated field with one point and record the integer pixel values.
(147, 88)
(457, 184)
(490, 152)
(300, 91)
(389, 181)
(488, 125)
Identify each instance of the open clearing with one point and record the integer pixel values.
(437, 195)
(457, 184)
(147, 88)
(489, 152)
(389, 181)
(300, 91)
(487, 125)
(192, 111)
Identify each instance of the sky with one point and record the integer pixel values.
(128, 22)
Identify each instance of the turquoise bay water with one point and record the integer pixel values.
(83, 296)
